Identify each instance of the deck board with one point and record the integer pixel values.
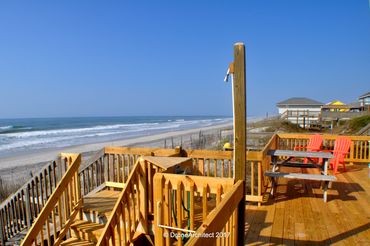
(297, 215)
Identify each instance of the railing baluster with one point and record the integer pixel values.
(252, 177)
(2, 227)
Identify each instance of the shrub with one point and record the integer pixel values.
(357, 123)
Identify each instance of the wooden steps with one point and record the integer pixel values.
(76, 242)
(87, 230)
(96, 211)
(101, 203)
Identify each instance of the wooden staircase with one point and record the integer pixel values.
(96, 209)
(116, 212)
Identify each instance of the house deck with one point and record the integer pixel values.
(298, 215)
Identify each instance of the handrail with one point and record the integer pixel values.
(114, 164)
(217, 220)
(61, 208)
(19, 210)
(129, 211)
(210, 163)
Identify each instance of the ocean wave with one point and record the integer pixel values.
(5, 127)
(12, 141)
(42, 141)
(73, 130)
(13, 128)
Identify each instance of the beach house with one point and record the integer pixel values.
(337, 110)
(364, 101)
(300, 110)
(335, 106)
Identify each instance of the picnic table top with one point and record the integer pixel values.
(293, 153)
(167, 162)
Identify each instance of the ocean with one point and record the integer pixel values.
(28, 135)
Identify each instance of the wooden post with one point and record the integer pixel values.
(352, 152)
(158, 210)
(239, 90)
(28, 206)
(143, 191)
(2, 229)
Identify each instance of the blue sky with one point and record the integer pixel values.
(104, 58)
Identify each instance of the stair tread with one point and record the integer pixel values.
(102, 202)
(87, 226)
(77, 242)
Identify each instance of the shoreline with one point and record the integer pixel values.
(19, 167)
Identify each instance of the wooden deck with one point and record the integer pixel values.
(298, 216)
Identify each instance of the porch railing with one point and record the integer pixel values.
(19, 211)
(112, 165)
(62, 207)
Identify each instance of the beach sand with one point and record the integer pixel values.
(17, 168)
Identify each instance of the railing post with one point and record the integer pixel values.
(28, 206)
(277, 141)
(78, 186)
(158, 215)
(2, 234)
(352, 152)
(239, 97)
(105, 167)
(144, 194)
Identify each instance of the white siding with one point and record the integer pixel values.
(296, 114)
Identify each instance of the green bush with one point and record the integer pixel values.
(359, 122)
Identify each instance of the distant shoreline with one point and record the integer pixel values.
(19, 167)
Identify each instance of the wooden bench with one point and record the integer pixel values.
(297, 164)
(318, 177)
(325, 178)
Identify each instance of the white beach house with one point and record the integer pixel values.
(364, 101)
(300, 110)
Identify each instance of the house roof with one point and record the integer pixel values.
(364, 95)
(301, 101)
(336, 102)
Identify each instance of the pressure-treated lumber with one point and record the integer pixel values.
(218, 218)
(239, 89)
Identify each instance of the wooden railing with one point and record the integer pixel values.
(18, 212)
(359, 151)
(112, 166)
(220, 226)
(213, 163)
(135, 203)
(182, 202)
(62, 207)
(130, 210)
